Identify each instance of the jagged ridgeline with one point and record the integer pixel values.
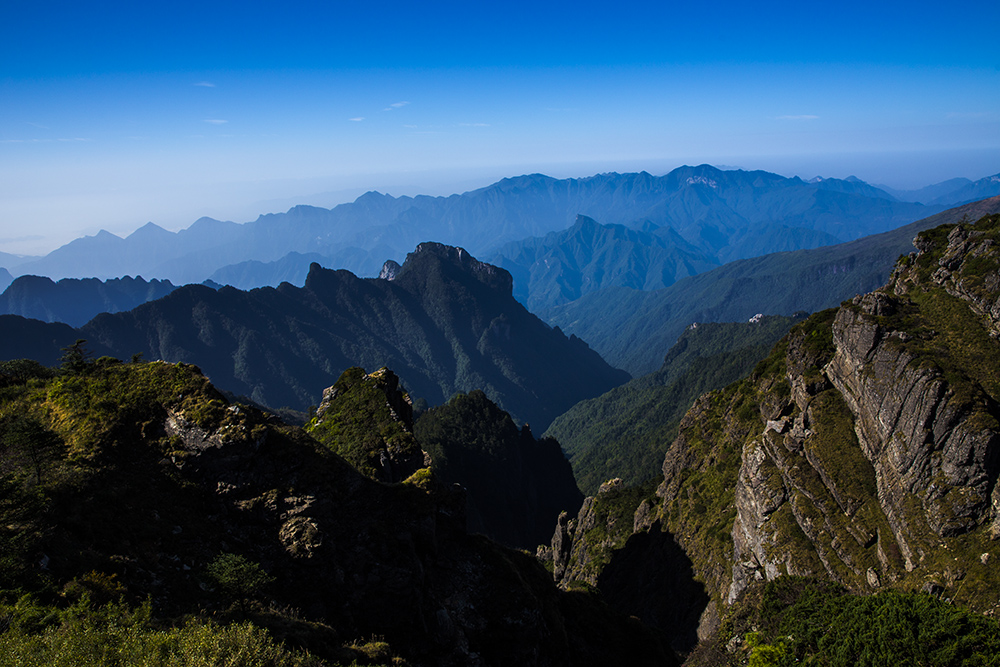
(863, 451)
(77, 301)
(445, 323)
(146, 520)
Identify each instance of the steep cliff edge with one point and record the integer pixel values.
(864, 450)
(878, 460)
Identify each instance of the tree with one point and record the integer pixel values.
(75, 358)
(238, 578)
(24, 442)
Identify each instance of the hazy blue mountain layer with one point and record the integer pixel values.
(631, 328)
(76, 301)
(727, 214)
(563, 266)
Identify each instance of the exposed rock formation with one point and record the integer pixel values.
(156, 476)
(368, 419)
(865, 449)
(880, 444)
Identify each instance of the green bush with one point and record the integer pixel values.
(238, 578)
(118, 636)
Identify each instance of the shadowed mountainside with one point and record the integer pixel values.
(446, 322)
(863, 452)
(125, 483)
(631, 329)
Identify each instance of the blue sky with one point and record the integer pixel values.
(116, 114)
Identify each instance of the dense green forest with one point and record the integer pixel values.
(625, 432)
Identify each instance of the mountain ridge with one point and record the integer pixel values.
(862, 453)
(446, 322)
(632, 329)
(482, 220)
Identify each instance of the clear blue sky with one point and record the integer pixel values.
(115, 114)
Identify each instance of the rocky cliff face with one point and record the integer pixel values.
(887, 448)
(145, 475)
(864, 450)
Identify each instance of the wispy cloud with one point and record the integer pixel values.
(799, 117)
(356, 119)
(40, 127)
(205, 84)
(473, 124)
(216, 121)
(395, 105)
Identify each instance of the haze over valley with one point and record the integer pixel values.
(549, 334)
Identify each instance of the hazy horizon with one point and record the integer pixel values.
(125, 115)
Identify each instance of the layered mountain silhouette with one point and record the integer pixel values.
(77, 301)
(727, 214)
(632, 329)
(446, 323)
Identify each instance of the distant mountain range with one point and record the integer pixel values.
(951, 192)
(77, 301)
(445, 323)
(632, 329)
(563, 266)
(725, 214)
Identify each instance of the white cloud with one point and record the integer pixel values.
(205, 84)
(358, 119)
(395, 105)
(799, 117)
(473, 124)
(216, 121)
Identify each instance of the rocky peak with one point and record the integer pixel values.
(965, 263)
(389, 270)
(455, 262)
(368, 420)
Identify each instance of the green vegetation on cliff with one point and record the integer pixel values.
(796, 620)
(625, 432)
(367, 419)
(253, 542)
